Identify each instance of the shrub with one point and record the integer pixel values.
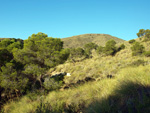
(137, 49)
(146, 39)
(122, 46)
(110, 48)
(32, 96)
(147, 53)
(89, 47)
(100, 50)
(132, 41)
(138, 63)
(141, 33)
(52, 84)
(77, 54)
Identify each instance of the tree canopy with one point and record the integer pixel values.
(22, 65)
(89, 47)
(110, 48)
(143, 32)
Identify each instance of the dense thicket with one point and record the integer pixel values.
(23, 65)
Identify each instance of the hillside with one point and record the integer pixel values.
(107, 79)
(81, 40)
(127, 91)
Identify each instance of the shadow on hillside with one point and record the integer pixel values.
(131, 98)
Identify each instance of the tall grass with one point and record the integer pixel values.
(98, 66)
(129, 91)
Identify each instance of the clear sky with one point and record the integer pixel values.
(65, 18)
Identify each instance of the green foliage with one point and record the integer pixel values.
(89, 47)
(145, 33)
(5, 56)
(100, 50)
(110, 48)
(15, 45)
(32, 96)
(138, 63)
(40, 53)
(147, 53)
(127, 92)
(41, 50)
(137, 49)
(122, 46)
(141, 33)
(11, 79)
(33, 69)
(44, 108)
(6, 42)
(77, 54)
(146, 39)
(132, 41)
(10, 44)
(52, 84)
(81, 40)
(22, 64)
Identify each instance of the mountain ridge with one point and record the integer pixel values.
(81, 40)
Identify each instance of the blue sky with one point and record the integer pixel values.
(65, 18)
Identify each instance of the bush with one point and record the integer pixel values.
(122, 46)
(32, 96)
(147, 53)
(100, 50)
(138, 63)
(89, 47)
(52, 84)
(110, 48)
(77, 54)
(137, 49)
(146, 39)
(132, 41)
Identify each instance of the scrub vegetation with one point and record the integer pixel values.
(109, 78)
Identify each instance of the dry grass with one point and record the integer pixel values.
(129, 91)
(98, 66)
(90, 97)
(81, 40)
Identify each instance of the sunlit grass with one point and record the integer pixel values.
(83, 96)
(24, 105)
(106, 95)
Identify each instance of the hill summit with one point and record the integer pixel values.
(81, 40)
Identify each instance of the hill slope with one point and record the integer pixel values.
(81, 40)
(127, 91)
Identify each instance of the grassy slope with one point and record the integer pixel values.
(81, 40)
(99, 67)
(129, 91)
